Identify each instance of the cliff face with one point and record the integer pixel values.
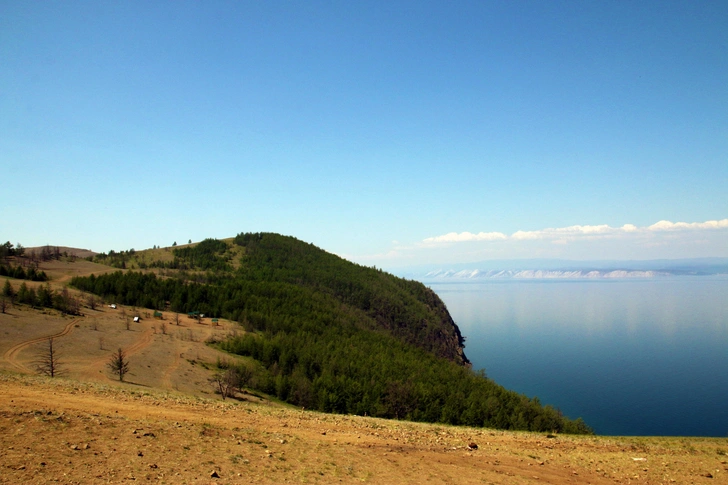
(448, 341)
(455, 341)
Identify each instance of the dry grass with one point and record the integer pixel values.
(63, 430)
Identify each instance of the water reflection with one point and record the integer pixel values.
(591, 307)
(646, 357)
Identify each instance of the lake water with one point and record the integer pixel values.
(631, 357)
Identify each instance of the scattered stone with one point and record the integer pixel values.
(472, 446)
(708, 475)
(139, 453)
(214, 475)
(153, 466)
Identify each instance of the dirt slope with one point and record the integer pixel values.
(69, 432)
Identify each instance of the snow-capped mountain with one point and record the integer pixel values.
(542, 274)
(567, 269)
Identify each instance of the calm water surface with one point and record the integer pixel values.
(645, 357)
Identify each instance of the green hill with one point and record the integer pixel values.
(327, 334)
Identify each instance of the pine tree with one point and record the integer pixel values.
(8, 289)
(119, 364)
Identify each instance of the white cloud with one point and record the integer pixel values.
(577, 232)
(454, 237)
(664, 239)
(682, 226)
(562, 232)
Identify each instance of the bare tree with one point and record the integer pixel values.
(176, 318)
(91, 302)
(48, 362)
(119, 364)
(3, 304)
(101, 343)
(224, 382)
(163, 328)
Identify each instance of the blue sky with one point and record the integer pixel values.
(386, 132)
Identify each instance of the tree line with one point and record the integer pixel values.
(42, 297)
(208, 255)
(26, 267)
(20, 273)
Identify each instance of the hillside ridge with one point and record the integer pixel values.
(314, 330)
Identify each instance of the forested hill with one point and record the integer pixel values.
(326, 333)
(407, 309)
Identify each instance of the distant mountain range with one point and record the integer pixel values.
(567, 269)
(544, 274)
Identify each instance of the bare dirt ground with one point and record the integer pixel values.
(161, 353)
(166, 425)
(64, 431)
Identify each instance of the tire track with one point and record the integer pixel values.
(172, 368)
(11, 355)
(95, 367)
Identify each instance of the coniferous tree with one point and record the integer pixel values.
(8, 289)
(23, 293)
(119, 364)
(45, 296)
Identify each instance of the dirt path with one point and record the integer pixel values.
(142, 342)
(99, 434)
(11, 355)
(177, 359)
(94, 369)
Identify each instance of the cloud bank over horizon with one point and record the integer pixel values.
(565, 234)
(662, 240)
